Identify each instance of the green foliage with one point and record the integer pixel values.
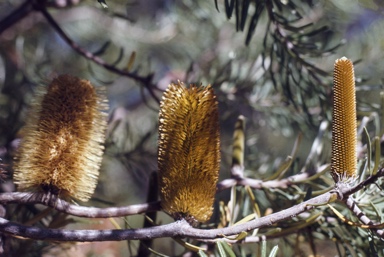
(289, 45)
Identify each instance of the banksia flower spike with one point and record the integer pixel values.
(189, 151)
(61, 150)
(344, 160)
(238, 142)
(238, 148)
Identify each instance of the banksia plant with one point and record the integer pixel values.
(238, 142)
(238, 147)
(61, 150)
(344, 159)
(189, 151)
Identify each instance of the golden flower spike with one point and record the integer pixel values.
(61, 150)
(189, 152)
(344, 159)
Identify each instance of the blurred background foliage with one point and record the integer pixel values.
(270, 61)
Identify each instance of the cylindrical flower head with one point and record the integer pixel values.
(344, 160)
(61, 150)
(238, 148)
(189, 151)
(238, 142)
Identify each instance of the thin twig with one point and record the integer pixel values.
(15, 16)
(351, 204)
(145, 81)
(259, 184)
(79, 211)
(370, 180)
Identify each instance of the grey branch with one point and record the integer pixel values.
(259, 184)
(176, 229)
(79, 211)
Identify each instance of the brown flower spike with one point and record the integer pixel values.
(62, 147)
(344, 160)
(189, 151)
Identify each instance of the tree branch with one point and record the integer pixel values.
(145, 81)
(370, 180)
(30, 5)
(259, 184)
(176, 229)
(16, 16)
(351, 204)
(92, 212)
(80, 211)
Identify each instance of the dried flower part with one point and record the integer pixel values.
(344, 158)
(189, 151)
(62, 149)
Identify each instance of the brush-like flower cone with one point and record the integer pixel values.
(189, 151)
(344, 160)
(62, 149)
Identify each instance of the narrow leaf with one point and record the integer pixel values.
(274, 251)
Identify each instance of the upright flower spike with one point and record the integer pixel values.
(238, 148)
(61, 150)
(189, 151)
(344, 160)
